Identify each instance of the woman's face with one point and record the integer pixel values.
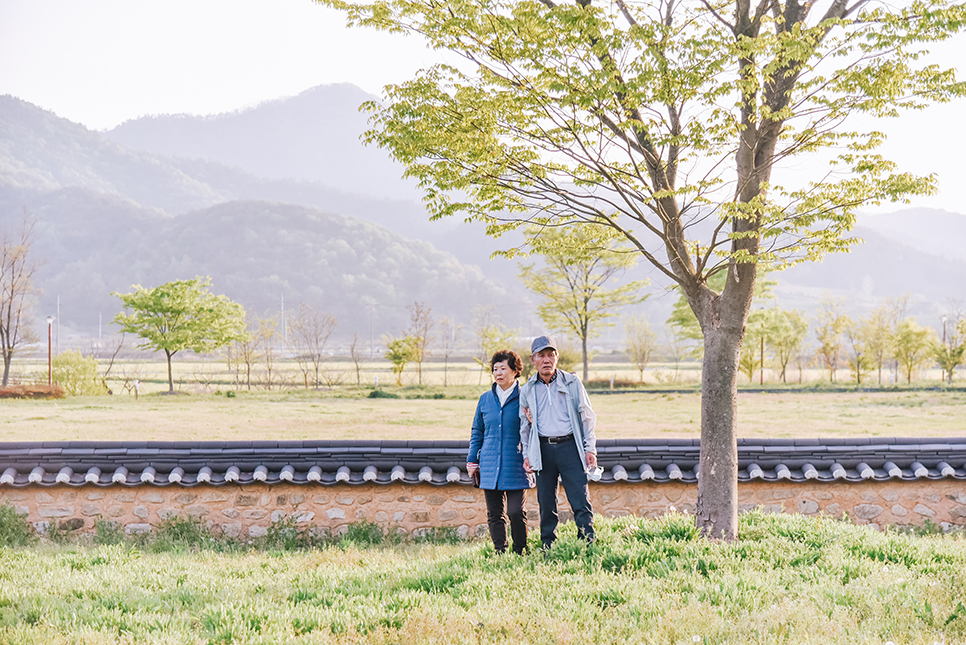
(503, 375)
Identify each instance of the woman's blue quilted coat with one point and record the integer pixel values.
(495, 442)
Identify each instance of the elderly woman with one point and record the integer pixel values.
(495, 451)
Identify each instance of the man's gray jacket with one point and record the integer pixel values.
(582, 417)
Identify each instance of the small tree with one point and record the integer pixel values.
(878, 336)
(951, 351)
(860, 361)
(751, 357)
(639, 342)
(420, 326)
(491, 336)
(579, 265)
(914, 346)
(829, 326)
(310, 331)
(356, 354)
(786, 334)
(181, 315)
(16, 286)
(400, 352)
(448, 342)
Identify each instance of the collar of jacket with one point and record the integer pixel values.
(513, 395)
(565, 378)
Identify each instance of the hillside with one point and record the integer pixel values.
(255, 252)
(313, 137)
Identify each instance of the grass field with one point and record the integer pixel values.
(345, 413)
(788, 579)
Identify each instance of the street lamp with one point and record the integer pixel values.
(50, 363)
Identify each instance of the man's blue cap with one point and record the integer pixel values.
(543, 342)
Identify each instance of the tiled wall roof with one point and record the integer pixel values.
(186, 463)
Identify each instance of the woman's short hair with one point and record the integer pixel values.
(512, 360)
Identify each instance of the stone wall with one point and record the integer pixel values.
(248, 510)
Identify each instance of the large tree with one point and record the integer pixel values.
(664, 121)
(578, 282)
(181, 315)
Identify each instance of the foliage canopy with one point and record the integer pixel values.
(181, 315)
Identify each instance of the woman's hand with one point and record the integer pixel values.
(471, 467)
(526, 465)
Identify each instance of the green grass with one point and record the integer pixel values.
(788, 579)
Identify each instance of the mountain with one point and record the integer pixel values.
(243, 198)
(258, 253)
(314, 137)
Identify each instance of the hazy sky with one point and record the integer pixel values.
(101, 62)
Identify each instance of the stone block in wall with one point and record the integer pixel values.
(71, 524)
(168, 513)
(381, 517)
(90, 509)
(958, 512)
(320, 499)
(303, 517)
(924, 510)
(419, 517)
(464, 499)
(185, 498)
(959, 498)
(152, 498)
(95, 495)
(436, 500)
(55, 511)
(246, 500)
(867, 511)
(807, 506)
(899, 510)
(125, 496)
(255, 514)
(197, 511)
(21, 510)
(215, 496)
(771, 494)
(141, 511)
(345, 500)
(361, 514)
(44, 498)
(890, 496)
(231, 529)
(834, 509)
(447, 515)
(870, 497)
(132, 529)
(256, 531)
(115, 510)
(335, 514)
(277, 516)
(230, 513)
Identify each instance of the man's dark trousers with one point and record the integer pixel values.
(563, 460)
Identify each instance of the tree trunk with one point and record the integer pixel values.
(583, 342)
(717, 514)
(170, 378)
(7, 356)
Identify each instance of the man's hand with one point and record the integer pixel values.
(591, 460)
(529, 418)
(526, 460)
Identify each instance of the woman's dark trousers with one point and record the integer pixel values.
(500, 506)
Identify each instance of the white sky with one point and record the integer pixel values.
(101, 62)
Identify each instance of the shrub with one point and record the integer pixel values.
(604, 384)
(178, 533)
(14, 528)
(382, 394)
(363, 533)
(107, 532)
(77, 374)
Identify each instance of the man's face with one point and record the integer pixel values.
(545, 361)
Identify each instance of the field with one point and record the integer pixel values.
(346, 413)
(788, 579)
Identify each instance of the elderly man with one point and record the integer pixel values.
(557, 433)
